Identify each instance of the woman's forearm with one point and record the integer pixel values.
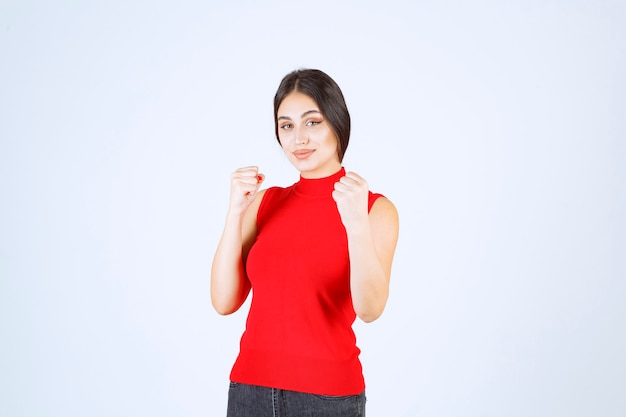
(229, 284)
(371, 245)
(369, 282)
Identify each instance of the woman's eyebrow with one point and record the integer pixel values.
(306, 113)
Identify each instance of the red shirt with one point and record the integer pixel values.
(299, 333)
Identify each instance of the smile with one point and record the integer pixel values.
(303, 154)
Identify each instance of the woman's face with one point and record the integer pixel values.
(306, 137)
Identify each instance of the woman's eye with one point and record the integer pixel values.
(313, 122)
(286, 126)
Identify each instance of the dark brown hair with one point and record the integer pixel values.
(328, 96)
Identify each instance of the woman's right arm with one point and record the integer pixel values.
(229, 284)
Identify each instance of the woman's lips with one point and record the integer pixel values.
(303, 153)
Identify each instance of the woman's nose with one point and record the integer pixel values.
(301, 138)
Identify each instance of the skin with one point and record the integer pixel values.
(311, 146)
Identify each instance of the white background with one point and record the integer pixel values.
(497, 128)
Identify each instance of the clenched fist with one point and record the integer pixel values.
(244, 185)
(351, 195)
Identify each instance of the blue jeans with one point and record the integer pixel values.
(253, 401)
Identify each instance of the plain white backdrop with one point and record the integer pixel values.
(497, 128)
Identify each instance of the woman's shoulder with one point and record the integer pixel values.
(270, 196)
(372, 198)
(382, 206)
(275, 191)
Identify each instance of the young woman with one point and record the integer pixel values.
(315, 254)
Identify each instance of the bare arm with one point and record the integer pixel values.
(229, 283)
(372, 242)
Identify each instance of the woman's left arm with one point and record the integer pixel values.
(372, 239)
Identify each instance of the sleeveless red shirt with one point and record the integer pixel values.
(298, 332)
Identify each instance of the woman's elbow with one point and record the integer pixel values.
(225, 307)
(371, 307)
(369, 314)
(228, 299)
(223, 310)
(368, 317)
